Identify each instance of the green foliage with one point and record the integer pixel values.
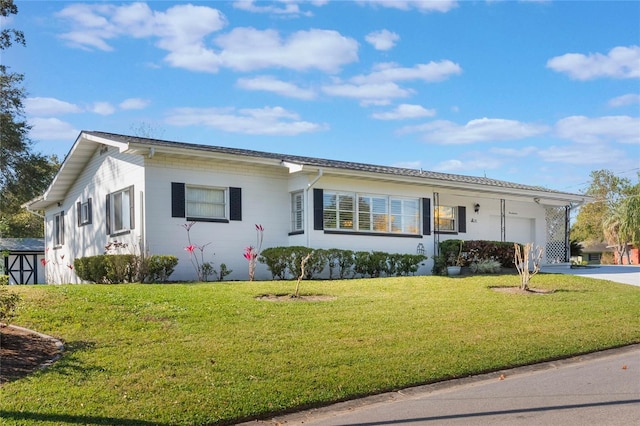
(342, 260)
(224, 271)
(284, 262)
(124, 268)
(276, 260)
(24, 174)
(485, 266)
(608, 191)
(8, 300)
(158, 268)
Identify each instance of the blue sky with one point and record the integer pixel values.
(535, 92)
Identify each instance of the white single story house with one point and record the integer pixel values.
(143, 192)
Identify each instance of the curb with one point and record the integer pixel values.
(57, 342)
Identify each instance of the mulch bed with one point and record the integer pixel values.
(22, 352)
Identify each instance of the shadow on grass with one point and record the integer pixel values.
(74, 419)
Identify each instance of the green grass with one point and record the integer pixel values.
(211, 354)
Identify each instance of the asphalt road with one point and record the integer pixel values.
(594, 389)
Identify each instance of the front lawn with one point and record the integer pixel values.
(193, 354)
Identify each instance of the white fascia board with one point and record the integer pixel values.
(122, 146)
(293, 167)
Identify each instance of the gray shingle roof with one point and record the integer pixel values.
(335, 164)
(21, 245)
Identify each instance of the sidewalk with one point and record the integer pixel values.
(595, 389)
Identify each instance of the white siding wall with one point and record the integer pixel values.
(265, 201)
(106, 172)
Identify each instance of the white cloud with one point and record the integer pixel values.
(52, 129)
(248, 49)
(431, 72)
(263, 121)
(620, 62)
(479, 130)
(378, 94)
(405, 111)
(102, 108)
(382, 40)
(624, 100)
(420, 5)
(272, 84)
(49, 106)
(602, 154)
(515, 153)
(288, 7)
(452, 166)
(408, 165)
(621, 129)
(134, 103)
(182, 30)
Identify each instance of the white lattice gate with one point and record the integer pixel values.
(557, 250)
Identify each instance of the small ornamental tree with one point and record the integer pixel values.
(522, 258)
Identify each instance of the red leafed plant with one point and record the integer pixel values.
(251, 253)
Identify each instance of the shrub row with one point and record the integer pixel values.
(125, 268)
(473, 252)
(285, 263)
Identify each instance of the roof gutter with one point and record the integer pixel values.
(26, 207)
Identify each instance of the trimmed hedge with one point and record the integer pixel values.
(124, 268)
(474, 251)
(285, 263)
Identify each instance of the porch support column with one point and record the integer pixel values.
(567, 241)
(503, 220)
(436, 224)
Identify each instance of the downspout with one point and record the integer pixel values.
(307, 222)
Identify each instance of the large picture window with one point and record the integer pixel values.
(120, 211)
(371, 213)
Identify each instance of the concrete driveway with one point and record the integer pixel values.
(625, 274)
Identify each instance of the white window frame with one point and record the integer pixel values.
(297, 211)
(58, 229)
(120, 216)
(450, 218)
(377, 218)
(85, 217)
(191, 204)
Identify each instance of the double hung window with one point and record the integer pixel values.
(297, 211)
(84, 212)
(446, 218)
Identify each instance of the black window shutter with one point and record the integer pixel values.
(235, 203)
(426, 216)
(318, 209)
(62, 227)
(79, 212)
(132, 223)
(90, 211)
(108, 216)
(462, 219)
(177, 199)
